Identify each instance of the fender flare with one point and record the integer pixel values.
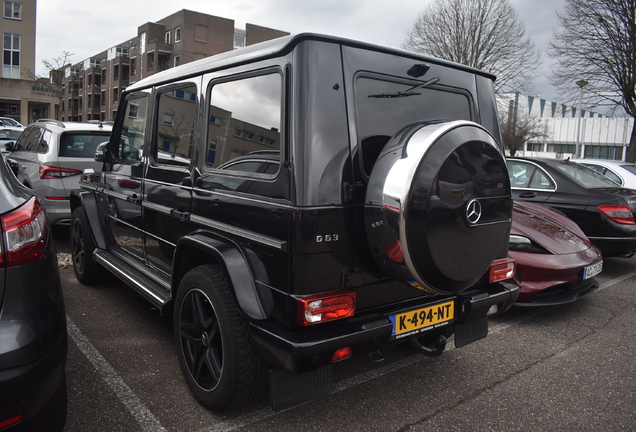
(250, 299)
(88, 201)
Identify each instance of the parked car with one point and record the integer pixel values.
(339, 197)
(623, 173)
(8, 121)
(556, 263)
(602, 209)
(52, 156)
(33, 336)
(8, 138)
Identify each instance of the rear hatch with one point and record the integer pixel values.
(77, 153)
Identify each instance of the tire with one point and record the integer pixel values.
(218, 358)
(52, 417)
(86, 270)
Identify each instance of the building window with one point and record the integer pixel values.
(11, 56)
(603, 152)
(115, 95)
(177, 35)
(13, 10)
(168, 118)
(167, 37)
(534, 147)
(133, 110)
(177, 60)
(239, 40)
(562, 148)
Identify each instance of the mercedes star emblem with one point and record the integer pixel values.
(473, 211)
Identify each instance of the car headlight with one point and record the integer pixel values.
(524, 244)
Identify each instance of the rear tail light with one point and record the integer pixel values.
(47, 172)
(326, 307)
(501, 270)
(24, 232)
(618, 213)
(10, 421)
(128, 184)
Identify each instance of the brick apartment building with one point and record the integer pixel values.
(92, 87)
(22, 97)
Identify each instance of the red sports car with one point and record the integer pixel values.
(556, 263)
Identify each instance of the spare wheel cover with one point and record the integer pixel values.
(438, 205)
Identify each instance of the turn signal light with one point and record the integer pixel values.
(501, 270)
(618, 213)
(327, 307)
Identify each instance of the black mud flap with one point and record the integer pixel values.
(471, 331)
(287, 389)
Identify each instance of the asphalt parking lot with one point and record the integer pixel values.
(561, 368)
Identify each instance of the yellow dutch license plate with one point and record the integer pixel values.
(419, 320)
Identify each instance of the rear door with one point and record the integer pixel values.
(530, 182)
(76, 152)
(167, 188)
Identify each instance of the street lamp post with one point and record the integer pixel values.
(581, 84)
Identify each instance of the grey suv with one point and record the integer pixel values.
(298, 202)
(52, 156)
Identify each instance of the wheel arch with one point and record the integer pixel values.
(88, 201)
(204, 248)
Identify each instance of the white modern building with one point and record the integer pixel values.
(599, 136)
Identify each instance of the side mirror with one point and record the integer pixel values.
(8, 147)
(101, 152)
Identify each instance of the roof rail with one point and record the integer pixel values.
(101, 123)
(45, 120)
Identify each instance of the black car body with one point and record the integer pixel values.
(311, 197)
(603, 210)
(33, 337)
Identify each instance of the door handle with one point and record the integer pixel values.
(527, 195)
(183, 216)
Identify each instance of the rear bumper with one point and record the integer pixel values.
(615, 246)
(310, 348)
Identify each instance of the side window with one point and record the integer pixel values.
(541, 181)
(33, 140)
(131, 140)
(176, 122)
(520, 174)
(244, 121)
(43, 145)
(21, 143)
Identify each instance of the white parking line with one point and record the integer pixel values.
(130, 400)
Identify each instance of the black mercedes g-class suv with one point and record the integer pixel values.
(300, 201)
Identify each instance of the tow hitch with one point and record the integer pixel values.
(435, 349)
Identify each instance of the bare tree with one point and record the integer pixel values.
(484, 34)
(596, 43)
(519, 127)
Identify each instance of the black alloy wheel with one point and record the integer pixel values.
(218, 358)
(82, 246)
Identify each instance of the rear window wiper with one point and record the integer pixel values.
(408, 92)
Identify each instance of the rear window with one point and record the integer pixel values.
(82, 144)
(384, 106)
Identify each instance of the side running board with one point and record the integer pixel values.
(156, 292)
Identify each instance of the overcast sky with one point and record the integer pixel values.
(85, 28)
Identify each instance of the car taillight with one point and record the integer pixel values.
(618, 213)
(326, 307)
(128, 184)
(24, 232)
(47, 172)
(501, 270)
